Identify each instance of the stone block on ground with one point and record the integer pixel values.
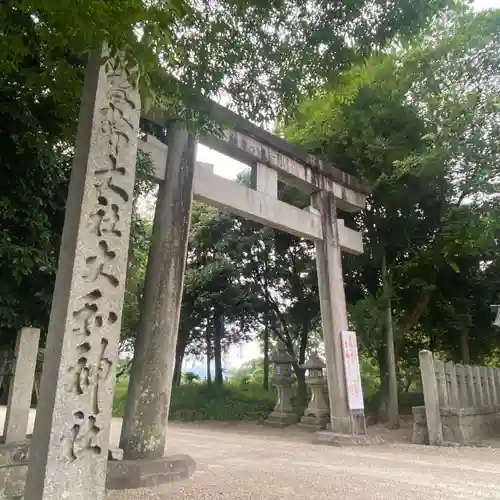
(420, 434)
(134, 474)
(337, 439)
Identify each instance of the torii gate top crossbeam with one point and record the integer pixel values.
(251, 144)
(258, 203)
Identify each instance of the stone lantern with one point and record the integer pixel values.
(317, 413)
(282, 379)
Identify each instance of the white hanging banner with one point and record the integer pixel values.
(352, 371)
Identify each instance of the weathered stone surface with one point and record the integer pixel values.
(12, 481)
(14, 454)
(133, 474)
(13, 470)
(69, 448)
(21, 389)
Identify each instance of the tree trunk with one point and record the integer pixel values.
(218, 335)
(267, 318)
(155, 346)
(301, 386)
(208, 338)
(304, 337)
(393, 406)
(464, 347)
(384, 384)
(266, 353)
(179, 358)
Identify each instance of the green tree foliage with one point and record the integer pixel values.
(420, 123)
(34, 175)
(251, 372)
(257, 53)
(420, 126)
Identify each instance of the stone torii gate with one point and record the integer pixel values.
(180, 179)
(69, 447)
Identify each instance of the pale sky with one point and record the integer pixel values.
(486, 4)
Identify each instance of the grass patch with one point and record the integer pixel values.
(244, 401)
(230, 402)
(121, 391)
(201, 401)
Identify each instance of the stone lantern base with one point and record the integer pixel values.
(281, 419)
(312, 423)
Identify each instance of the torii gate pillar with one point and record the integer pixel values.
(344, 421)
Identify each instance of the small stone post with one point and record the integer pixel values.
(21, 389)
(69, 448)
(282, 379)
(431, 398)
(317, 414)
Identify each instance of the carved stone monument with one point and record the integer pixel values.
(282, 379)
(317, 414)
(69, 448)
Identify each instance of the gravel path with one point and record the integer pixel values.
(250, 462)
(254, 464)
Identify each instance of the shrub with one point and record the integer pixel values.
(202, 401)
(238, 401)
